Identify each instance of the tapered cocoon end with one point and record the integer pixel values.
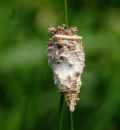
(71, 96)
(66, 58)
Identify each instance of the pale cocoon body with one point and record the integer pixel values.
(66, 58)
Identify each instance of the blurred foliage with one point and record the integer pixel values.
(28, 97)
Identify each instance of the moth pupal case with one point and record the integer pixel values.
(66, 58)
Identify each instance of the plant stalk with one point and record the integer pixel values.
(61, 110)
(70, 115)
(66, 13)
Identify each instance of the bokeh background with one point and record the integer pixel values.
(29, 99)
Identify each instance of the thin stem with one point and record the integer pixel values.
(66, 14)
(61, 112)
(70, 120)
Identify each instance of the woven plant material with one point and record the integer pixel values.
(66, 58)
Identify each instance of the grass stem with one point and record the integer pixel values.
(70, 115)
(61, 110)
(66, 13)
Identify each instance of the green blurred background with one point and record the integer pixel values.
(29, 100)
